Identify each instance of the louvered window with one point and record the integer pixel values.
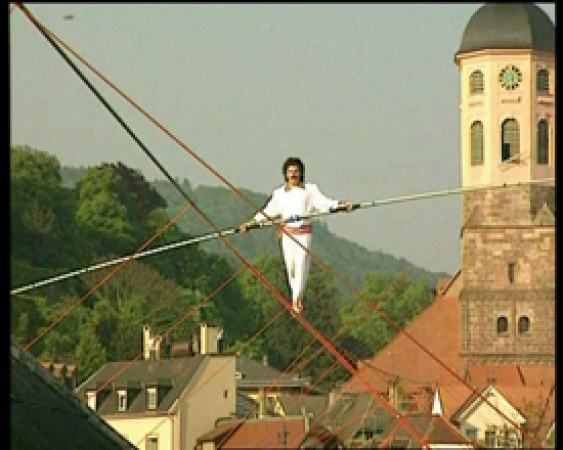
(543, 142)
(476, 82)
(511, 272)
(476, 144)
(542, 82)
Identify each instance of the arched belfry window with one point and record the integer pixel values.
(502, 324)
(543, 143)
(476, 82)
(510, 141)
(476, 143)
(542, 82)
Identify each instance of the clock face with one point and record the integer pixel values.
(510, 77)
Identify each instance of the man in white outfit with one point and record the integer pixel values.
(291, 202)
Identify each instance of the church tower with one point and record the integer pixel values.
(507, 109)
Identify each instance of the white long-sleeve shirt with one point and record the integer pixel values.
(296, 202)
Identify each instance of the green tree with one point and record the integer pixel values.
(40, 210)
(90, 354)
(26, 317)
(135, 296)
(101, 213)
(388, 303)
(64, 322)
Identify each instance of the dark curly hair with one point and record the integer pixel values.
(293, 161)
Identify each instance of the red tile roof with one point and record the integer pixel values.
(435, 332)
(268, 433)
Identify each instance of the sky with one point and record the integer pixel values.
(366, 94)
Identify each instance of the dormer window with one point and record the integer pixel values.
(122, 400)
(95, 396)
(91, 399)
(152, 398)
(156, 392)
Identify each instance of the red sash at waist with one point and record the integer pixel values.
(303, 229)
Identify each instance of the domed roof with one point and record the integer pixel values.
(508, 25)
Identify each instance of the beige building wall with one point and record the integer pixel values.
(495, 105)
(483, 416)
(137, 429)
(212, 395)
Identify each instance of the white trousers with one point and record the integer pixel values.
(297, 262)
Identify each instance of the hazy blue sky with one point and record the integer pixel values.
(366, 94)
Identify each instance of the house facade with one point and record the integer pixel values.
(163, 403)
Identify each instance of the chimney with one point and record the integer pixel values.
(210, 339)
(437, 409)
(147, 337)
(334, 396)
(204, 334)
(151, 344)
(306, 418)
(71, 376)
(262, 403)
(392, 391)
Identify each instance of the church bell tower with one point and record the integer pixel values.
(507, 109)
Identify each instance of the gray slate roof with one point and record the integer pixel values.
(255, 374)
(173, 374)
(508, 25)
(45, 415)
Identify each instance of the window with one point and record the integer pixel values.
(510, 141)
(502, 324)
(471, 433)
(511, 272)
(476, 143)
(523, 324)
(122, 400)
(363, 434)
(152, 398)
(91, 399)
(542, 82)
(476, 82)
(513, 441)
(490, 438)
(152, 443)
(543, 143)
